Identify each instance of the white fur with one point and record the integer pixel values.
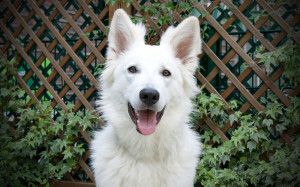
(120, 155)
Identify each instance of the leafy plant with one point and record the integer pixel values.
(256, 15)
(112, 2)
(35, 149)
(286, 55)
(164, 13)
(253, 154)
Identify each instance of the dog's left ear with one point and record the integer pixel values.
(185, 41)
(122, 34)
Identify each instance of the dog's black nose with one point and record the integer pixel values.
(149, 96)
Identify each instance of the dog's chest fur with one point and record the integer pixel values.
(150, 162)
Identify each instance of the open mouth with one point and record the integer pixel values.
(145, 120)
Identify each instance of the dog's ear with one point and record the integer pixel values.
(122, 34)
(185, 41)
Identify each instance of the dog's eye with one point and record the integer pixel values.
(166, 73)
(132, 69)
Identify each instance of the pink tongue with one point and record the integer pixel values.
(147, 121)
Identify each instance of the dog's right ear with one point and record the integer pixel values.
(122, 34)
(185, 41)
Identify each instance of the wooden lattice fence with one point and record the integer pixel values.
(57, 58)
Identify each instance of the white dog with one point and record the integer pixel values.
(146, 102)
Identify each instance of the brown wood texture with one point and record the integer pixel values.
(97, 20)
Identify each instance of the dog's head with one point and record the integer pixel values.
(145, 79)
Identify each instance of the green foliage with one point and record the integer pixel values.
(253, 155)
(112, 2)
(256, 15)
(96, 34)
(204, 31)
(34, 149)
(99, 68)
(164, 13)
(288, 55)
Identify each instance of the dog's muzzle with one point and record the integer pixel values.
(146, 120)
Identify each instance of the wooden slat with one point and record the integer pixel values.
(226, 25)
(244, 55)
(49, 56)
(282, 34)
(285, 137)
(32, 66)
(247, 71)
(86, 169)
(77, 29)
(293, 130)
(278, 19)
(262, 89)
(63, 43)
(94, 17)
(50, 47)
(241, 42)
(32, 96)
(112, 9)
(20, 28)
(17, 3)
(77, 75)
(234, 80)
(54, 63)
(87, 95)
(23, 84)
(232, 52)
(72, 184)
(210, 9)
(266, 43)
(209, 87)
(215, 129)
(296, 91)
(256, 95)
(67, 58)
(231, 20)
(85, 157)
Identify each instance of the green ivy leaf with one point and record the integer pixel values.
(217, 138)
(232, 118)
(251, 145)
(214, 111)
(67, 153)
(268, 122)
(206, 136)
(225, 159)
